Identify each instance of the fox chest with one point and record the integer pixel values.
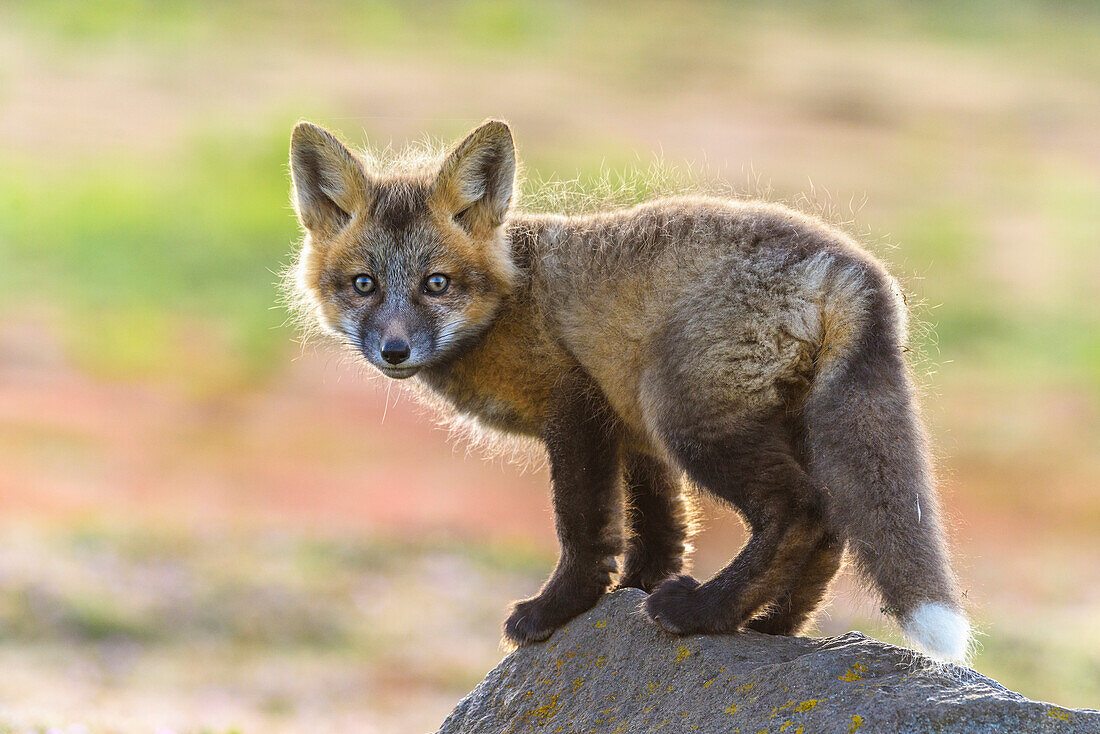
(507, 395)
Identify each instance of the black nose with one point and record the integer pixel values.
(395, 351)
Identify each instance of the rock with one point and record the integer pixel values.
(610, 670)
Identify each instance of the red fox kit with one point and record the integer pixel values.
(739, 346)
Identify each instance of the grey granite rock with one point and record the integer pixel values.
(610, 670)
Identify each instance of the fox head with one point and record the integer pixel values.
(405, 267)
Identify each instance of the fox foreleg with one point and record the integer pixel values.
(583, 444)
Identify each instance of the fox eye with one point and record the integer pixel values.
(364, 284)
(436, 283)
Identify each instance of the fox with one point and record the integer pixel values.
(735, 347)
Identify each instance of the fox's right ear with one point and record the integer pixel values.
(330, 184)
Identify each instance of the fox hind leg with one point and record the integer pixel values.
(796, 605)
(750, 464)
(658, 518)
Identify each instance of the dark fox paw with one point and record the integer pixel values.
(773, 623)
(675, 606)
(535, 619)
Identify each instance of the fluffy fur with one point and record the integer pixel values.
(739, 346)
(940, 631)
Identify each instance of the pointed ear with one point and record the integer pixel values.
(476, 180)
(330, 184)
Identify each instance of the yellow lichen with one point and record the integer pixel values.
(682, 653)
(857, 722)
(1060, 714)
(601, 624)
(746, 687)
(807, 705)
(547, 710)
(577, 684)
(731, 709)
(854, 673)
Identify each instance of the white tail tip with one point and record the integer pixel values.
(939, 630)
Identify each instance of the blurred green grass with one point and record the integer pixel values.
(131, 253)
(617, 30)
(163, 587)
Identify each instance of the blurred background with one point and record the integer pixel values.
(208, 527)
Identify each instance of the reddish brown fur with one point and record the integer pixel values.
(750, 348)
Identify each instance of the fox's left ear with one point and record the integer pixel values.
(477, 179)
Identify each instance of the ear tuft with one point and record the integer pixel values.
(478, 177)
(330, 184)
